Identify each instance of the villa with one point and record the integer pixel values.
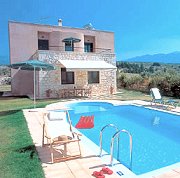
(84, 60)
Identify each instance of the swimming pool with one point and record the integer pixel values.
(156, 135)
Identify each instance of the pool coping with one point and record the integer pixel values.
(95, 148)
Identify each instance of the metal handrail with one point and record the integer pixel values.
(62, 48)
(101, 134)
(117, 134)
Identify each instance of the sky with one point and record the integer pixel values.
(140, 26)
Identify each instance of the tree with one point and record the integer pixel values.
(156, 64)
(151, 69)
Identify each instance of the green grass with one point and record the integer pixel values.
(18, 157)
(132, 95)
(123, 94)
(15, 103)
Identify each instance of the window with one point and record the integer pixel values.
(67, 77)
(88, 47)
(69, 46)
(43, 44)
(93, 77)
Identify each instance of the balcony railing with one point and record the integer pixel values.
(79, 49)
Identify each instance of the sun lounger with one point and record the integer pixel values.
(172, 103)
(156, 96)
(57, 129)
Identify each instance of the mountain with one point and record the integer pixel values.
(4, 60)
(161, 58)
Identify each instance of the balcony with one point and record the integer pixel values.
(54, 56)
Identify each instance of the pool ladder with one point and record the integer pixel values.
(116, 135)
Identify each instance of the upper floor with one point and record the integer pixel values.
(28, 37)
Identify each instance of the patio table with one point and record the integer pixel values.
(73, 92)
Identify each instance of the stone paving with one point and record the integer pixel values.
(81, 167)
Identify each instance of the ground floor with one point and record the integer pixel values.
(67, 84)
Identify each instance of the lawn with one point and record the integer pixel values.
(18, 156)
(132, 95)
(15, 103)
(123, 94)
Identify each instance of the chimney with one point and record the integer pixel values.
(60, 22)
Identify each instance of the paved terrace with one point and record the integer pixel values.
(81, 167)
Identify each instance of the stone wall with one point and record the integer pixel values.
(54, 57)
(50, 81)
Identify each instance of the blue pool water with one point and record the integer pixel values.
(156, 135)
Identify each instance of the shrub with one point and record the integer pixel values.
(164, 77)
(129, 80)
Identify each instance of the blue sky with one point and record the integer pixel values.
(140, 26)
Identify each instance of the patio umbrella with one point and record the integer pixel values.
(34, 65)
(71, 40)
